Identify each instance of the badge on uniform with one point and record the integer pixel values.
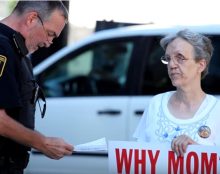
(204, 131)
(3, 60)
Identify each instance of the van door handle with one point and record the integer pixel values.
(109, 112)
(138, 112)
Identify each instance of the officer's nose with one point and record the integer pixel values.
(48, 43)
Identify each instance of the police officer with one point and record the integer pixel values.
(31, 25)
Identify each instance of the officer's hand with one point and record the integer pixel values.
(180, 143)
(56, 148)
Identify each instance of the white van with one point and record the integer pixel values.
(100, 86)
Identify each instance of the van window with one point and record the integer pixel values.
(98, 70)
(155, 78)
(210, 83)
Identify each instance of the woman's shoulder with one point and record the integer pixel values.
(212, 104)
(212, 100)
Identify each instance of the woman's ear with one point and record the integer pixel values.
(202, 65)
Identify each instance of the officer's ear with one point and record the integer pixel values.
(31, 18)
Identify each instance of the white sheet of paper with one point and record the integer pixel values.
(96, 145)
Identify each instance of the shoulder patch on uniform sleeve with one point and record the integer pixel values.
(3, 60)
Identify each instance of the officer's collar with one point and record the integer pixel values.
(18, 39)
(19, 42)
(6, 31)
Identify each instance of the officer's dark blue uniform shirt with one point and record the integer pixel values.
(9, 70)
(16, 91)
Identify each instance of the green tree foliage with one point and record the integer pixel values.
(11, 5)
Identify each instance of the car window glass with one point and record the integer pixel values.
(155, 78)
(99, 70)
(210, 83)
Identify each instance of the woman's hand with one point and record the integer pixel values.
(180, 143)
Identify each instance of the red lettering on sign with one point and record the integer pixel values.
(153, 160)
(195, 164)
(209, 165)
(140, 161)
(175, 164)
(123, 159)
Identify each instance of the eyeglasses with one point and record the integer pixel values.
(50, 34)
(41, 21)
(39, 97)
(178, 59)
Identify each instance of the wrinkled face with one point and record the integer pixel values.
(41, 33)
(183, 70)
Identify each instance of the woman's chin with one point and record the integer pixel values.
(176, 83)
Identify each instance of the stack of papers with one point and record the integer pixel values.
(97, 145)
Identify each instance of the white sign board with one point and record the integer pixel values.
(145, 158)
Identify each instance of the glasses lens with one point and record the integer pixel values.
(41, 21)
(44, 110)
(42, 107)
(164, 60)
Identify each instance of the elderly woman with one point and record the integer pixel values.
(188, 115)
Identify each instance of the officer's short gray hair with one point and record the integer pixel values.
(43, 7)
(202, 45)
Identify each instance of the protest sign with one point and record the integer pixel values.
(145, 158)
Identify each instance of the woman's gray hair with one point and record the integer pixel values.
(202, 45)
(43, 7)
